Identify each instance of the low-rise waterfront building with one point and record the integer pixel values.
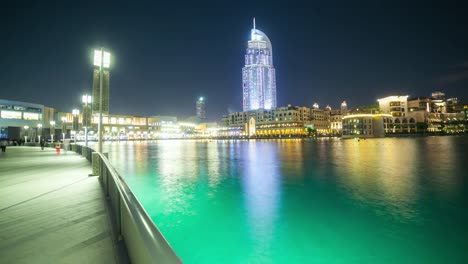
(336, 122)
(395, 106)
(285, 121)
(364, 125)
(320, 119)
(21, 119)
(280, 121)
(423, 114)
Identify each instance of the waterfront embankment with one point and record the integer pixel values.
(51, 211)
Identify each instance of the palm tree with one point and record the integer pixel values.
(311, 131)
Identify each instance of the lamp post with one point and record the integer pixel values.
(39, 132)
(101, 59)
(52, 131)
(26, 134)
(64, 127)
(75, 112)
(86, 114)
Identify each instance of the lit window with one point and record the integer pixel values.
(11, 115)
(30, 116)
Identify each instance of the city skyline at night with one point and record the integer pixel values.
(130, 130)
(164, 59)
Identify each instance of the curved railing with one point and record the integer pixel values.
(144, 242)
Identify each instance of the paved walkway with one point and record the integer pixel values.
(51, 211)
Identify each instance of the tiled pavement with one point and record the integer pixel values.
(51, 211)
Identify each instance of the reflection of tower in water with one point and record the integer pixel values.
(261, 188)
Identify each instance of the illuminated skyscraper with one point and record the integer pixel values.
(258, 74)
(201, 108)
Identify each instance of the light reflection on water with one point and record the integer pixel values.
(392, 200)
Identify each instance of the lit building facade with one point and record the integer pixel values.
(422, 114)
(364, 125)
(201, 108)
(20, 119)
(396, 106)
(336, 124)
(320, 119)
(278, 122)
(258, 74)
(344, 107)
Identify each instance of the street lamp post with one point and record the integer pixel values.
(75, 112)
(26, 134)
(86, 100)
(101, 59)
(64, 127)
(39, 132)
(52, 131)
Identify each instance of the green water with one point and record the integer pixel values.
(391, 200)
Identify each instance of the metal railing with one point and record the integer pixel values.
(144, 242)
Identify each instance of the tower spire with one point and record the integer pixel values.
(254, 23)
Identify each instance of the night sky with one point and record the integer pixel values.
(164, 56)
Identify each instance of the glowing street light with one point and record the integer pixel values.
(63, 127)
(86, 99)
(102, 60)
(39, 132)
(52, 131)
(26, 133)
(75, 113)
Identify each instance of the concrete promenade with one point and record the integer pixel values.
(51, 211)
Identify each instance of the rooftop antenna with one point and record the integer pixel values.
(252, 32)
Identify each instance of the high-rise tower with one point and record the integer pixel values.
(258, 74)
(201, 109)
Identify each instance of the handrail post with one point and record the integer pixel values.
(119, 215)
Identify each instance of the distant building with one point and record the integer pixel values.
(396, 106)
(19, 119)
(438, 103)
(344, 107)
(364, 125)
(421, 114)
(336, 124)
(419, 104)
(452, 104)
(320, 119)
(438, 96)
(201, 108)
(279, 121)
(258, 74)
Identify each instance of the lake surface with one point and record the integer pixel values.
(389, 200)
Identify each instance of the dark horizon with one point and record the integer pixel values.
(165, 56)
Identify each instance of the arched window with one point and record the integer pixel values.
(412, 120)
(397, 121)
(405, 121)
